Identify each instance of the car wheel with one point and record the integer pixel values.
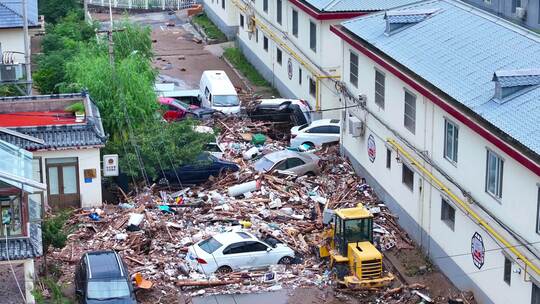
(224, 269)
(285, 260)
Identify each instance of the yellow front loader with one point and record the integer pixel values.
(349, 244)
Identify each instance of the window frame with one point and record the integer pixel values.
(497, 194)
(353, 68)
(294, 23)
(448, 214)
(265, 43)
(405, 167)
(265, 6)
(507, 272)
(241, 21)
(411, 128)
(379, 97)
(300, 76)
(223, 4)
(388, 158)
(279, 56)
(313, 36)
(455, 142)
(279, 12)
(312, 83)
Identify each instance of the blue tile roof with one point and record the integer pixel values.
(11, 13)
(356, 5)
(458, 49)
(18, 249)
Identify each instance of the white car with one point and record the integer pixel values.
(230, 251)
(316, 134)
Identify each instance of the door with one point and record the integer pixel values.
(63, 182)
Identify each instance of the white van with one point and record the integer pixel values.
(217, 92)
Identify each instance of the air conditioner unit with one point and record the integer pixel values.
(520, 12)
(11, 72)
(357, 127)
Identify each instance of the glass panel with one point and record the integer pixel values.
(15, 161)
(53, 180)
(69, 175)
(11, 215)
(61, 160)
(102, 290)
(36, 169)
(358, 230)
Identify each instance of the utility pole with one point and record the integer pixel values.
(111, 49)
(27, 49)
(85, 6)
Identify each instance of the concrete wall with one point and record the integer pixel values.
(506, 9)
(13, 40)
(225, 19)
(420, 208)
(87, 159)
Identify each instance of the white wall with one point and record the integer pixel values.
(87, 159)
(517, 208)
(13, 40)
(227, 15)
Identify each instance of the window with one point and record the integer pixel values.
(265, 43)
(379, 88)
(257, 35)
(448, 214)
(279, 56)
(295, 23)
(313, 36)
(451, 133)
(241, 21)
(494, 174)
(507, 270)
(255, 246)
(409, 119)
(388, 158)
(535, 298)
(265, 6)
(353, 67)
(407, 177)
(312, 87)
(294, 162)
(11, 214)
(236, 248)
(223, 4)
(333, 129)
(279, 7)
(210, 245)
(487, 2)
(300, 76)
(317, 130)
(538, 212)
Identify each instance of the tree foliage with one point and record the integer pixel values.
(54, 10)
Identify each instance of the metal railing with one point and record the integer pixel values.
(146, 4)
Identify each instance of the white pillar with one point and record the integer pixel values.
(29, 281)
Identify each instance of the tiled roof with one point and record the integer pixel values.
(356, 5)
(55, 137)
(18, 249)
(11, 13)
(458, 49)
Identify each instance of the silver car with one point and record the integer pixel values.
(299, 163)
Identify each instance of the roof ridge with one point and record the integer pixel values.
(331, 4)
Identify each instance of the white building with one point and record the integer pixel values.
(290, 43)
(447, 131)
(11, 29)
(69, 160)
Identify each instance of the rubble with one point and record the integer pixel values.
(153, 229)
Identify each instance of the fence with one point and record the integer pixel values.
(146, 4)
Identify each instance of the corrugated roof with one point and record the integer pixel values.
(458, 49)
(11, 13)
(63, 136)
(356, 5)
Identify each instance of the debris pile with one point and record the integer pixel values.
(153, 229)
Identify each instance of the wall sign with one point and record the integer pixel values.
(371, 148)
(289, 68)
(110, 165)
(477, 250)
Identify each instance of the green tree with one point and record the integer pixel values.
(54, 10)
(53, 233)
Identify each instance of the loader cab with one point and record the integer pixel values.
(352, 225)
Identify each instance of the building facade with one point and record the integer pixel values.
(445, 126)
(20, 225)
(289, 42)
(68, 161)
(11, 29)
(523, 12)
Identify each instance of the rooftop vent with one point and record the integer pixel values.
(509, 82)
(398, 20)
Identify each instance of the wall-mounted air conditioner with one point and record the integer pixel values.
(357, 127)
(521, 12)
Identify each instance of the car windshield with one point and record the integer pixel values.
(264, 164)
(226, 100)
(303, 126)
(180, 104)
(210, 245)
(108, 289)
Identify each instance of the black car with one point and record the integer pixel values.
(102, 277)
(295, 112)
(200, 170)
